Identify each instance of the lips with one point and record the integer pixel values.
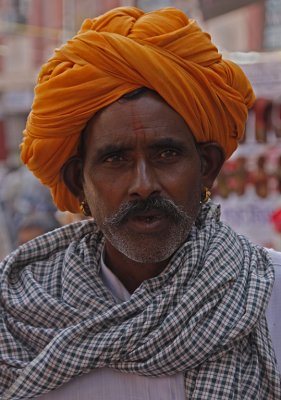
(148, 222)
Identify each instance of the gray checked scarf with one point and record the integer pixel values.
(203, 315)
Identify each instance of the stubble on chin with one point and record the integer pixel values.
(149, 248)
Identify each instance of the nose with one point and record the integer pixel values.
(144, 181)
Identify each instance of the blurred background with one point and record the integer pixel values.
(246, 31)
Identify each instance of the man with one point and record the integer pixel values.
(154, 297)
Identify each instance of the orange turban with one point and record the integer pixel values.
(116, 53)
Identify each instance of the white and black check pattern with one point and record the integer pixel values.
(204, 315)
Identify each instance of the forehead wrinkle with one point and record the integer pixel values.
(144, 120)
(136, 116)
(136, 120)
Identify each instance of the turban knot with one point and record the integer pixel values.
(116, 53)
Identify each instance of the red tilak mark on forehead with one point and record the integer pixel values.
(138, 126)
(137, 122)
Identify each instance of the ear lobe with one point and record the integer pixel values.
(212, 158)
(72, 175)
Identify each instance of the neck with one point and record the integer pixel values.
(129, 272)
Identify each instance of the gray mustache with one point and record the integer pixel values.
(132, 208)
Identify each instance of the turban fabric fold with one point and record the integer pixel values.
(116, 53)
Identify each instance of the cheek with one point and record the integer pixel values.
(185, 182)
(100, 198)
(91, 197)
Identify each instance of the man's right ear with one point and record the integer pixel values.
(72, 175)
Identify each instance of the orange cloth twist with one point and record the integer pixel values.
(116, 53)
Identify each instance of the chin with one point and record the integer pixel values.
(148, 250)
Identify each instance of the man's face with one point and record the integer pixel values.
(142, 177)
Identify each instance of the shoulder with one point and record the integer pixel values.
(276, 261)
(275, 257)
(273, 309)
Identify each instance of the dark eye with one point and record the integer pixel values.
(112, 158)
(168, 154)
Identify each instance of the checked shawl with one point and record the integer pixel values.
(202, 316)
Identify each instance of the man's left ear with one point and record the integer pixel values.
(212, 158)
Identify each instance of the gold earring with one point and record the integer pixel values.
(206, 195)
(85, 209)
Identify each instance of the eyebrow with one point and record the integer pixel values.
(167, 142)
(111, 148)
